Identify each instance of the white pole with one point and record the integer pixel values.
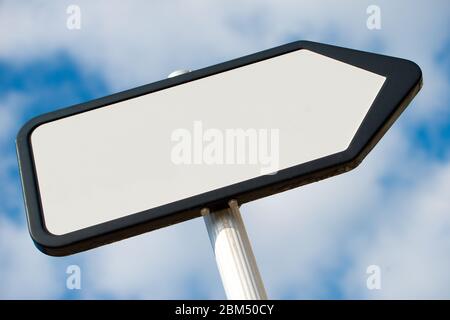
(234, 255)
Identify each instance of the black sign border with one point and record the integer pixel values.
(403, 81)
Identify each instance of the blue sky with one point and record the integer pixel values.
(393, 211)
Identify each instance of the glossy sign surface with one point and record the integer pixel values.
(118, 160)
(156, 155)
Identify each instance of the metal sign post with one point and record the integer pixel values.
(234, 256)
(232, 248)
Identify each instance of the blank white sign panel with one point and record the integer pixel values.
(114, 161)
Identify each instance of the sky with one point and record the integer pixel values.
(313, 242)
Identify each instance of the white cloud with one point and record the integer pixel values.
(170, 263)
(24, 272)
(9, 112)
(141, 41)
(411, 247)
(301, 236)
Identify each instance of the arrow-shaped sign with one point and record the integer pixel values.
(156, 155)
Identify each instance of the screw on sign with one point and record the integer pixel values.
(101, 171)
